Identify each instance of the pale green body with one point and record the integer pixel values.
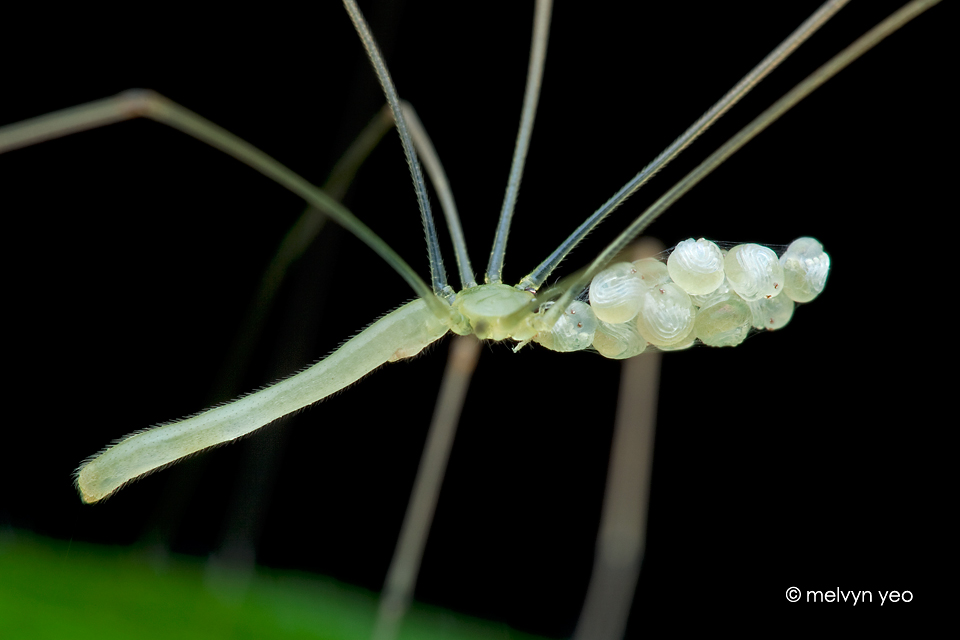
(399, 334)
(495, 312)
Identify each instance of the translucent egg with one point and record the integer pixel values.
(651, 271)
(688, 341)
(619, 341)
(723, 291)
(574, 330)
(754, 271)
(666, 315)
(772, 313)
(697, 266)
(726, 323)
(615, 293)
(805, 268)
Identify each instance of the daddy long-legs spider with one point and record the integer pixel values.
(139, 263)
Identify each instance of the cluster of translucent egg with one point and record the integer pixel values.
(702, 293)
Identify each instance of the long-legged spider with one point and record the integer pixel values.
(157, 242)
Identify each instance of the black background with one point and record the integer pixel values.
(799, 458)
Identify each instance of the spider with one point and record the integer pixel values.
(153, 267)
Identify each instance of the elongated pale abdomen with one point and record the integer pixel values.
(399, 334)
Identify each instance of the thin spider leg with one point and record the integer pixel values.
(65, 122)
(438, 177)
(148, 104)
(294, 244)
(623, 521)
(836, 64)
(437, 272)
(312, 220)
(536, 278)
(531, 95)
(401, 578)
